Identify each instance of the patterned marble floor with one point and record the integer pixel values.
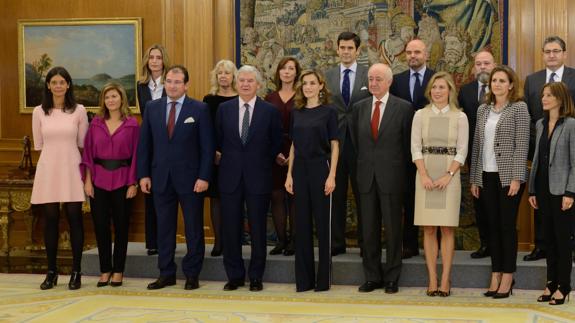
(22, 301)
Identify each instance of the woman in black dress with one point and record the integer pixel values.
(223, 88)
(286, 76)
(151, 87)
(311, 177)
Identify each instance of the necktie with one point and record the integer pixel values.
(416, 89)
(375, 120)
(552, 77)
(345, 87)
(481, 98)
(245, 124)
(172, 119)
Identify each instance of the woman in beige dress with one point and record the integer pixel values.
(439, 146)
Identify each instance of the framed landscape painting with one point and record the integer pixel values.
(94, 51)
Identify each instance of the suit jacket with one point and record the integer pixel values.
(360, 91)
(144, 95)
(400, 87)
(533, 84)
(468, 102)
(184, 158)
(252, 162)
(511, 144)
(561, 158)
(386, 158)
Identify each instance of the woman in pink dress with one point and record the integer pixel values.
(59, 126)
(109, 163)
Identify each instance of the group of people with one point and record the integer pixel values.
(298, 149)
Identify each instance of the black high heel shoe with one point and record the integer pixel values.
(216, 251)
(106, 282)
(117, 283)
(505, 295)
(75, 280)
(50, 281)
(278, 249)
(565, 291)
(552, 287)
(289, 250)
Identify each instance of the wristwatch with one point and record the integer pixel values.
(451, 173)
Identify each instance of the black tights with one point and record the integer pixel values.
(73, 212)
(280, 214)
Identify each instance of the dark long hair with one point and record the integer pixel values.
(48, 100)
(561, 92)
(281, 64)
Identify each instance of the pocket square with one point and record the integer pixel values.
(189, 120)
(364, 88)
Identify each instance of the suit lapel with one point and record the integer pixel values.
(554, 139)
(184, 114)
(256, 117)
(360, 75)
(388, 115)
(160, 115)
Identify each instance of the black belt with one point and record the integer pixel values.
(113, 164)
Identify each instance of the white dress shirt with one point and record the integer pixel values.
(558, 74)
(412, 79)
(156, 88)
(489, 161)
(242, 111)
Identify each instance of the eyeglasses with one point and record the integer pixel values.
(555, 51)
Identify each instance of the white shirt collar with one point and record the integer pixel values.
(383, 99)
(179, 100)
(558, 73)
(437, 110)
(421, 71)
(251, 102)
(353, 67)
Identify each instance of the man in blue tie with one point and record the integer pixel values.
(554, 56)
(249, 137)
(347, 83)
(175, 156)
(410, 86)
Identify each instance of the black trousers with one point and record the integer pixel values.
(312, 206)
(381, 208)
(501, 211)
(346, 172)
(151, 222)
(557, 232)
(51, 212)
(481, 221)
(410, 231)
(111, 207)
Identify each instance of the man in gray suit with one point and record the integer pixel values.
(554, 56)
(381, 134)
(347, 83)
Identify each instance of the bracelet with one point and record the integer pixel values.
(451, 173)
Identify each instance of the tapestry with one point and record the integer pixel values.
(307, 29)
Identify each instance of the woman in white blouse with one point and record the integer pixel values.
(439, 138)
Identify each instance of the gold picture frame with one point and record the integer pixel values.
(94, 51)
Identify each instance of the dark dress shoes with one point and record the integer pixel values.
(369, 286)
(191, 283)
(75, 280)
(216, 252)
(408, 253)
(482, 252)
(536, 254)
(277, 250)
(337, 251)
(162, 282)
(233, 285)
(391, 287)
(256, 285)
(289, 250)
(152, 252)
(50, 281)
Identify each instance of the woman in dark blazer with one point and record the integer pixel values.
(499, 171)
(552, 189)
(151, 87)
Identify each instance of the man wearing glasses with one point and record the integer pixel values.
(554, 56)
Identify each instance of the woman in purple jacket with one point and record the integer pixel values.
(109, 164)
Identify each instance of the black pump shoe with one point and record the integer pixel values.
(565, 290)
(552, 287)
(75, 280)
(50, 281)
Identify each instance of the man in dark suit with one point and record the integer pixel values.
(175, 156)
(471, 95)
(249, 137)
(554, 56)
(410, 86)
(347, 83)
(381, 134)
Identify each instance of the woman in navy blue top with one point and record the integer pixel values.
(311, 178)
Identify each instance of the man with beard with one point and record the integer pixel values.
(471, 96)
(554, 56)
(410, 86)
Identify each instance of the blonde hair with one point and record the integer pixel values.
(124, 108)
(146, 73)
(226, 65)
(453, 103)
